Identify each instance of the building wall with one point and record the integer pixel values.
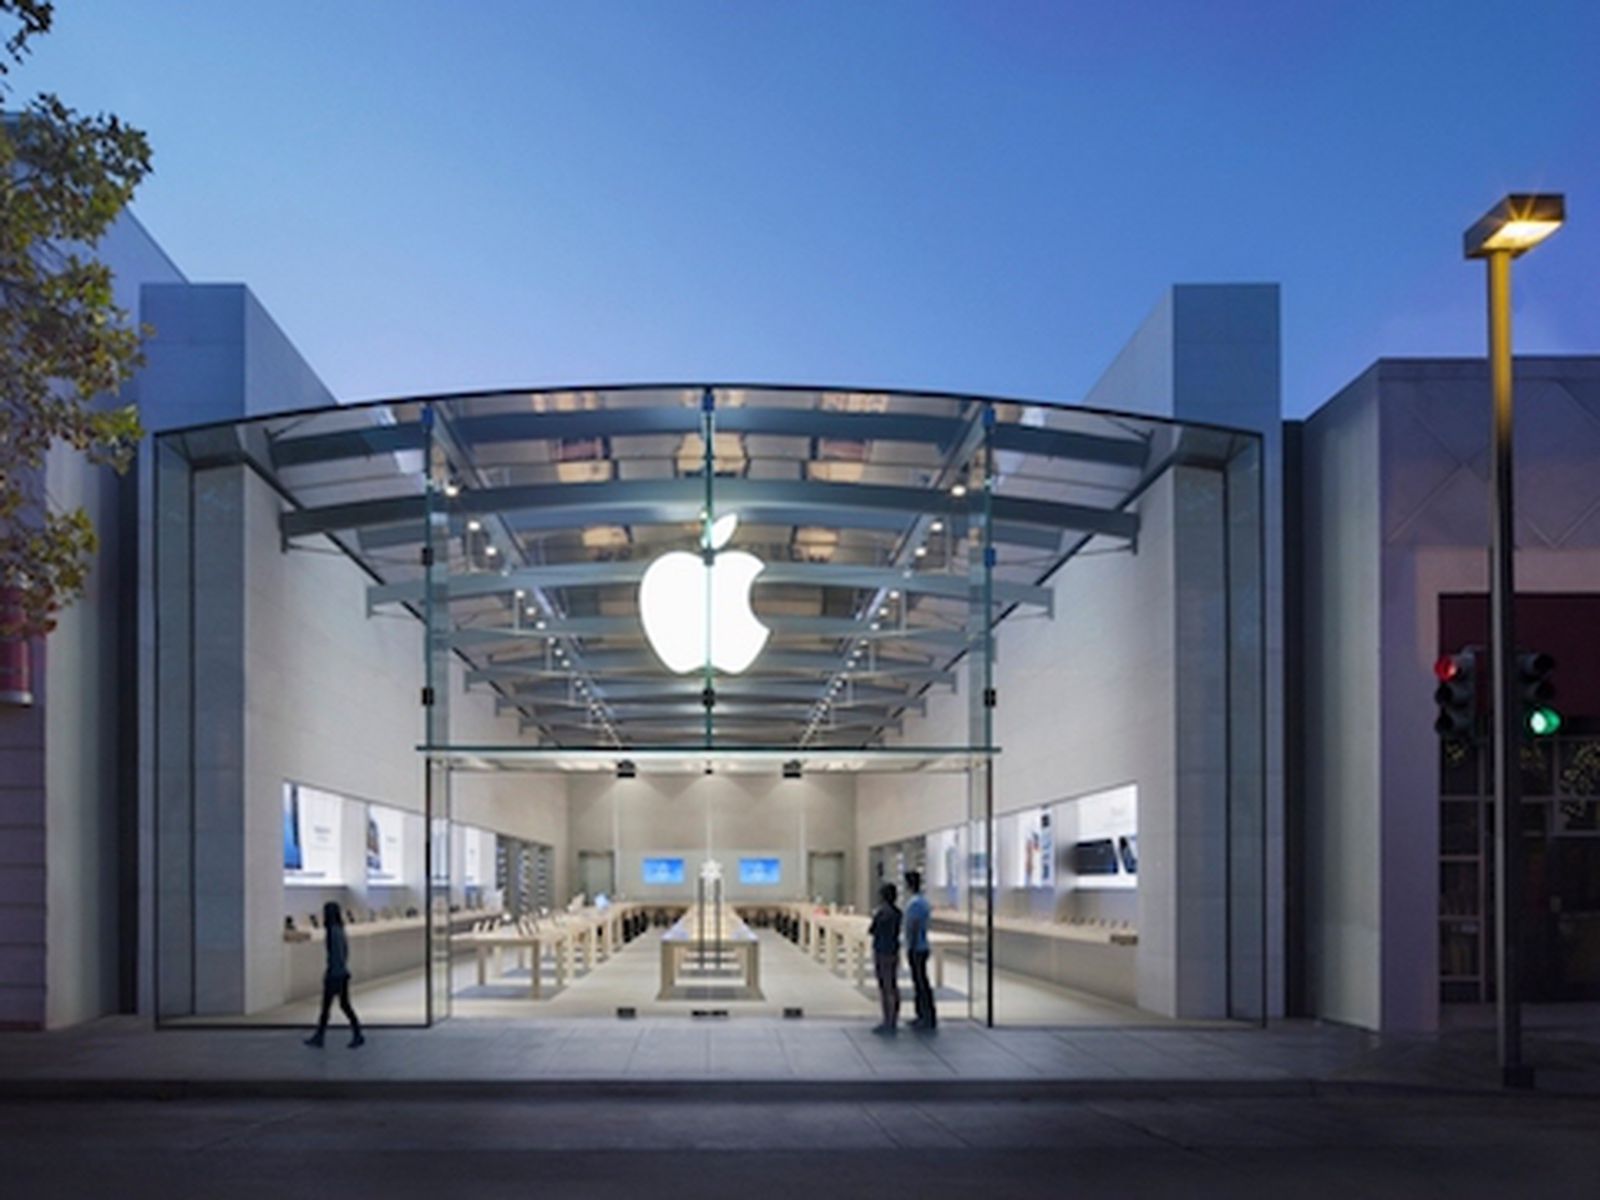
(728, 814)
(293, 680)
(1343, 785)
(1212, 353)
(1397, 505)
(65, 802)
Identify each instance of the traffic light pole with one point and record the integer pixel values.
(1507, 700)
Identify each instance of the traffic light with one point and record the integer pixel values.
(1536, 691)
(1457, 694)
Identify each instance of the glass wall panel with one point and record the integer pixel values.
(652, 635)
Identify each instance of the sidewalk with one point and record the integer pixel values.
(773, 1059)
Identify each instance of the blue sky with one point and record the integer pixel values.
(977, 196)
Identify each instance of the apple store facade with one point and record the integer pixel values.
(539, 687)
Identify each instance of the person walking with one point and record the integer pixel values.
(918, 912)
(336, 977)
(886, 956)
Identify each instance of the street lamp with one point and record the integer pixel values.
(1511, 228)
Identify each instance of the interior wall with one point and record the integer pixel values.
(334, 701)
(1086, 701)
(681, 815)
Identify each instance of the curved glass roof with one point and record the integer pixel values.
(870, 510)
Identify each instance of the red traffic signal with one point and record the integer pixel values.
(1457, 694)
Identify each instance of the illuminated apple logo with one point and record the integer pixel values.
(686, 602)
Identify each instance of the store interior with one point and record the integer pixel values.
(971, 624)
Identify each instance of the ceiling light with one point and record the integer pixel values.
(894, 595)
(922, 551)
(959, 490)
(452, 488)
(490, 551)
(937, 527)
(474, 525)
(540, 623)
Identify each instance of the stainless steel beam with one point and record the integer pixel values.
(802, 574)
(665, 419)
(671, 499)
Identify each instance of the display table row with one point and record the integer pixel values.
(587, 936)
(377, 948)
(1096, 957)
(841, 940)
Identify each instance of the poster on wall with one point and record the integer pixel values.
(315, 842)
(385, 844)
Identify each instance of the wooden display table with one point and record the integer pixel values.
(719, 940)
(530, 939)
(843, 943)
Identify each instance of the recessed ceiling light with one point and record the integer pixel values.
(474, 525)
(937, 527)
(959, 490)
(922, 551)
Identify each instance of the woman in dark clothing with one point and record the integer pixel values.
(886, 957)
(336, 978)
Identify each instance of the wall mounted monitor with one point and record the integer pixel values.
(386, 845)
(662, 872)
(293, 857)
(1100, 833)
(760, 872)
(316, 840)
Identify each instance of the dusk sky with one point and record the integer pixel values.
(982, 197)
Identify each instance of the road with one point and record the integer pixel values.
(1294, 1147)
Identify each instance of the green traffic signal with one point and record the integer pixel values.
(1542, 722)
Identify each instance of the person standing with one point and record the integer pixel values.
(918, 912)
(886, 956)
(336, 977)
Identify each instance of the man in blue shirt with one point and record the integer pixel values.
(916, 925)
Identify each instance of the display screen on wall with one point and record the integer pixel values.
(760, 872)
(1101, 832)
(386, 844)
(293, 858)
(477, 856)
(663, 871)
(942, 853)
(1036, 849)
(316, 841)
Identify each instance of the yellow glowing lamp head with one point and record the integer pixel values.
(1516, 225)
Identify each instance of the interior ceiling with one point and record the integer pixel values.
(550, 505)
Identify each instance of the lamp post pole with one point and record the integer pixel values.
(1511, 228)
(1502, 654)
